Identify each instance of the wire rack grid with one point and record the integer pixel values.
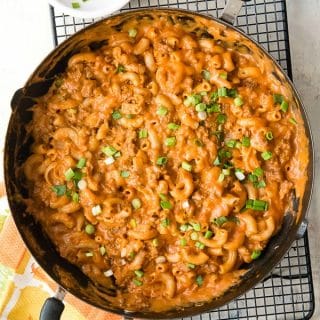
(287, 294)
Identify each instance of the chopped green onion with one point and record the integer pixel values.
(253, 178)
(136, 203)
(201, 107)
(163, 197)
(155, 242)
(162, 111)
(132, 33)
(277, 98)
(206, 74)
(102, 250)
(214, 96)
(117, 154)
(186, 166)
(184, 227)
(161, 161)
(208, 234)
(183, 242)
(231, 143)
(77, 175)
(246, 142)
(226, 172)
(221, 177)
(139, 273)
(81, 163)
(214, 107)
(203, 93)
(90, 229)
(137, 282)
(109, 151)
(199, 280)
(75, 5)
(284, 106)
(259, 184)
(132, 255)
(191, 265)
(69, 174)
(125, 174)
(221, 118)
(133, 223)
(255, 254)
(196, 226)
(198, 143)
(194, 236)
(224, 154)
(216, 161)
(166, 205)
(59, 190)
(173, 126)
(258, 172)
(170, 141)
(165, 222)
(223, 75)
(258, 205)
(222, 92)
(143, 133)
(266, 155)
(238, 102)
(293, 121)
(269, 136)
(120, 68)
(192, 100)
(199, 245)
(232, 93)
(239, 174)
(220, 221)
(116, 115)
(75, 197)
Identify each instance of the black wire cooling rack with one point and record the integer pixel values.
(287, 294)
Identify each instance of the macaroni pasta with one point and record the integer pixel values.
(165, 159)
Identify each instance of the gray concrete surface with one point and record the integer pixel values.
(304, 33)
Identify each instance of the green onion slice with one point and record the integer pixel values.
(206, 74)
(170, 141)
(255, 254)
(199, 280)
(162, 111)
(266, 155)
(186, 166)
(161, 161)
(132, 33)
(173, 126)
(269, 136)
(143, 133)
(136, 203)
(69, 174)
(59, 190)
(81, 163)
(116, 115)
(258, 205)
(90, 229)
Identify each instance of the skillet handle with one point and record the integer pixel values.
(52, 309)
(231, 10)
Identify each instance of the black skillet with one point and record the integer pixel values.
(69, 277)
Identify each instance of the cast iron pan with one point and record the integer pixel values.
(69, 277)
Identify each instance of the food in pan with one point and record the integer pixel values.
(165, 160)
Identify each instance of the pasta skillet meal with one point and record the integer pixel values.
(165, 160)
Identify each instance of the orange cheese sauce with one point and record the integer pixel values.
(165, 159)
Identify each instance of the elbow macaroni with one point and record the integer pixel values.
(160, 156)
